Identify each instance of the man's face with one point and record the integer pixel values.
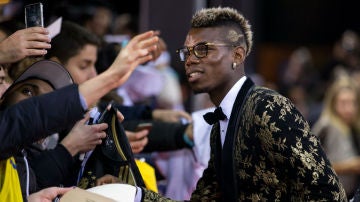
(211, 74)
(82, 66)
(26, 89)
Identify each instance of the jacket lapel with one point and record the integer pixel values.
(226, 171)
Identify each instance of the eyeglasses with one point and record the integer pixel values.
(200, 50)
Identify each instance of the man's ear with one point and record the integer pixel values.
(239, 55)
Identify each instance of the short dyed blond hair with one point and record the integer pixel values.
(227, 17)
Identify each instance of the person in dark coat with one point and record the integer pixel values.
(40, 78)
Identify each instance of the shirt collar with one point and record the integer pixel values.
(229, 100)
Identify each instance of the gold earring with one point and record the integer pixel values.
(233, 65)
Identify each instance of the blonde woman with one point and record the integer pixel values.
(339, 131)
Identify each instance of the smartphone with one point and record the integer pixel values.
(143, 126)
(34, 15)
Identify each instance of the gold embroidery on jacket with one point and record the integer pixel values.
(276, 158)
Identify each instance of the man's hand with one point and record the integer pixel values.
(23, 43)
(138, 51)
(168, 115)
(83, 137)
(48, 194)
(138, 140)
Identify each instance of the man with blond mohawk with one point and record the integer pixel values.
(261, 146)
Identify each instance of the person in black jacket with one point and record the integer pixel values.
(40, 78)
(262, 149)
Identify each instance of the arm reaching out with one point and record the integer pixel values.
(137, 51)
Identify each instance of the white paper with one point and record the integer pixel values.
(117, 192)
(55, 27)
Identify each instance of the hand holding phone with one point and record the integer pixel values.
(34, 15)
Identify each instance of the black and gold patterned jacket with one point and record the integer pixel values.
(272, 157)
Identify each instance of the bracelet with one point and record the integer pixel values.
(187, 140)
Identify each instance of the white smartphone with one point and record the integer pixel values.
(34, 15)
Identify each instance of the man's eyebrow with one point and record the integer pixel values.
(87, 61)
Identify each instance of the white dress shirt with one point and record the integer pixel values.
(227, 104)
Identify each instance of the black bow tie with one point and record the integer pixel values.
(213, 117)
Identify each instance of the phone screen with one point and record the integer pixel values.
(34, 15)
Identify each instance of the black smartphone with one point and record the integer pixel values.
(34, 15)
(143, 126)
